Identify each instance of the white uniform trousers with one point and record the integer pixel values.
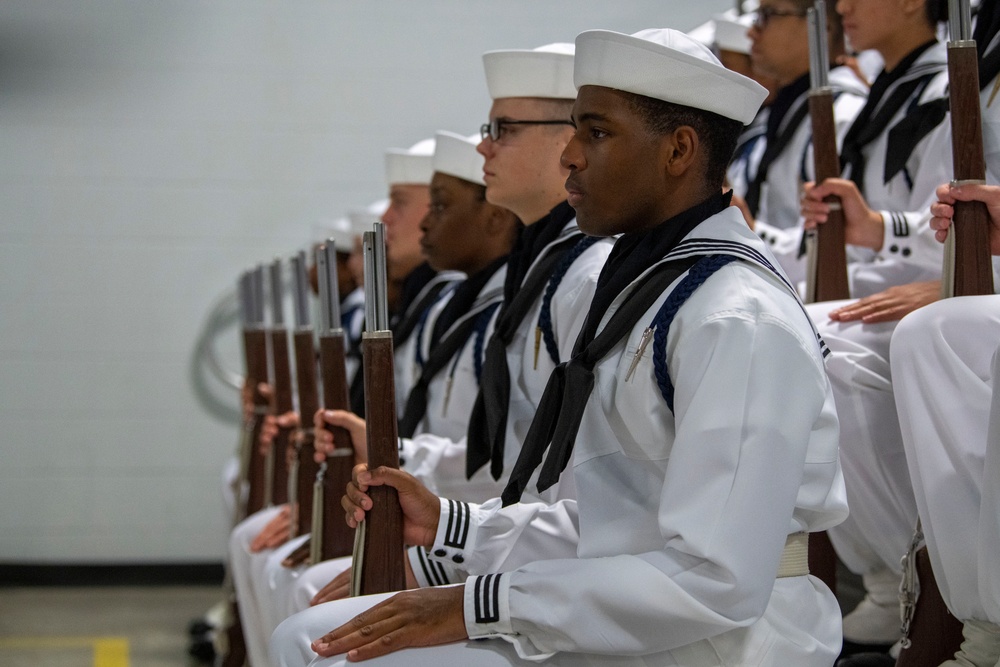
(270, 587)
(989, 516)
(941, 357)
(245, 566)
(883, 512)
(779, 645)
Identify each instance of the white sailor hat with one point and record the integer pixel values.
(731, 33)
(457, 156)
(543, 72)
(339, 229)
(666, 65)
(410, 166)
(362, 219)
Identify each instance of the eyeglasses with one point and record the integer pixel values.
(763, 15)
(495, 128)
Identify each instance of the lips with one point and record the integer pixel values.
(574, 194)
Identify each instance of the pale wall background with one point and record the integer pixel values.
(149, 152)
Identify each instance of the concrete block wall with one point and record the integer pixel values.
(149, 152)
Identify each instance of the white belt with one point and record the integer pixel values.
(795, 557)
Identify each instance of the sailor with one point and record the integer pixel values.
(550, 277)
(893, 160)
(784, 162)
(944, 371)
(703, 452)
(264, 536)
(461, 232)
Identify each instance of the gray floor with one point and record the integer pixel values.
(89, 627)
(84, 627)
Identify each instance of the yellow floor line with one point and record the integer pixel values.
(108, 651)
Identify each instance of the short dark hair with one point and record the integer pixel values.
(936, 11)
(718, 133)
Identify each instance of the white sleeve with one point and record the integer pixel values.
(747, 398)
(439, 463)
(909, 238)
(490, 538)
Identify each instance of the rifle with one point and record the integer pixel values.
(304, 467)
(233, 645)
(281, 386)
(331, 537)
(826, 276)
(378, 547)
(968, 269)
(255, 349)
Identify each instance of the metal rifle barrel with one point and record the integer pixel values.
(819, 47)
(379, 565)
(329, 294)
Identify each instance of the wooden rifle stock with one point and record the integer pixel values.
(378, 559)
(332, 537)
(970, 233)
(827, 280)
(281, 386)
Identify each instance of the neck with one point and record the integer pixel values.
(902, 44)
(530, 212)
(789, 79)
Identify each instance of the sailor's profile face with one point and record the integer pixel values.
(454, 225)
(615, 165)
(408, 205)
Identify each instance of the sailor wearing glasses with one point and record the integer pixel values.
(699, 467)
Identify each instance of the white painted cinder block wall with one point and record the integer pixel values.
(150, 151)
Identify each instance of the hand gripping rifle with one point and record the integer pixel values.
(280, 375)
(255, 349)
(304, 468)
(826, 276)
(331, 537)
(968, 269)
(378, 547)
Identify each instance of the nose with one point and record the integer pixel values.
(572, 156)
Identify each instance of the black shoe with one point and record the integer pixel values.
(867, 660)
(198, 627)
(202, 649)
(852, 648)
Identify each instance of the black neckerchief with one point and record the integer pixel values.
(634, 253)
(792, 99)
(522, 288)
(530, 242)
(879, 110)
(987, 26)
(567, 392)
(462, 300)
(446, 342)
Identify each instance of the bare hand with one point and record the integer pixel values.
(421, 508)
(275, 533)
(340, 587)
(272, 425)
(862, 226)
(851, 63)
(890, 305)
(423, 617)
(354, 425)
(943, 211)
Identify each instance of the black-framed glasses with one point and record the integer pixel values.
(764, 15)
(495, 128)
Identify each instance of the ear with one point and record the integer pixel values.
(681, 151)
